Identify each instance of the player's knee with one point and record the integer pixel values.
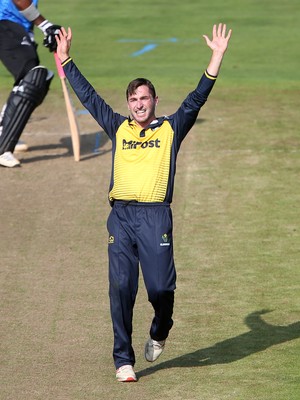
(24, 98)
(160, 295)
(35, 85)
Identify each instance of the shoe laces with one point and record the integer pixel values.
(158, 344)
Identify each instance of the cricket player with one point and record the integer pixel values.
(18, 53)
(144, 151)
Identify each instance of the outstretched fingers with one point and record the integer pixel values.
(220, 37)
(222, 28)
(63, 40)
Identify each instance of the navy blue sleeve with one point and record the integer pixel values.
(185, 117)
(92, 101)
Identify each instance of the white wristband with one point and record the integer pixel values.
(44, 26)
(31, 13)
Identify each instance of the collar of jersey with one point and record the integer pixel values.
(153, 125)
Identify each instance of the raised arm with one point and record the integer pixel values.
(218, 44)
(32, 14)
(29, 11)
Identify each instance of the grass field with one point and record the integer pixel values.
(236, 213)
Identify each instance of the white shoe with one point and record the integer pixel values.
(8, 160)
(20, 146)
(153, 349)
(126, 374)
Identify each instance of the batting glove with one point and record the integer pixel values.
(50, 31)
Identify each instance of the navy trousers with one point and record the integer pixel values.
(140, 234)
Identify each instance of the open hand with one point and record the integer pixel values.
(220, 39)
(63, 40)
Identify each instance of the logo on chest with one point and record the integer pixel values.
(134, 144)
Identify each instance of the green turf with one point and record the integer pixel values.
(236, 214)
(262, 50)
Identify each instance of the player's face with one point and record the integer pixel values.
(141, 105)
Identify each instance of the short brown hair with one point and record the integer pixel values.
(133, 85)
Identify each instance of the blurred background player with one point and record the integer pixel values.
(18, 53)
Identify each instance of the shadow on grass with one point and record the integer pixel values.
(260, 336)
(90, 146)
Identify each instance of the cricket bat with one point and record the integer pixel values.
(75, 135)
